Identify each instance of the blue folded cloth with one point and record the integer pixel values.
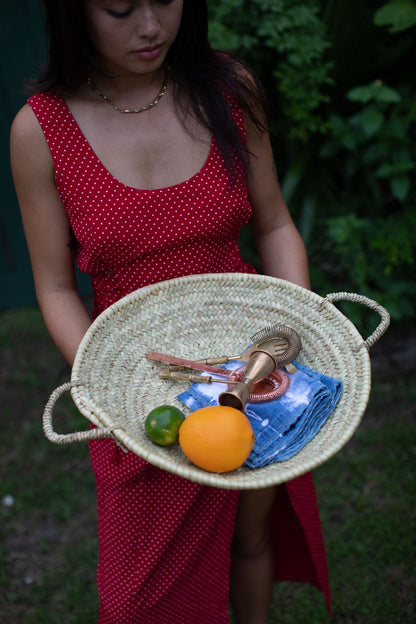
(283, 426)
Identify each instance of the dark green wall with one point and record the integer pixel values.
(22, 49)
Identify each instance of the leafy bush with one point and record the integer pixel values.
(398, 14)
(285, 43)
(341, 89)
(372, 156)
(377, 136)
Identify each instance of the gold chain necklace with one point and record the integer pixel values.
(100, 94)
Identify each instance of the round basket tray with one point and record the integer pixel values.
(114, 385)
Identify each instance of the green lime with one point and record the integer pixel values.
(162, 424)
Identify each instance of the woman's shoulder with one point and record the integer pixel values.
(241, 83)
(235, 66)
(39, 112)
(25, 124)
(27, 114)
(27, 140)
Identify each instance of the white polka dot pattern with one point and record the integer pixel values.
(164, 542)
(127, 237)
(164, 550)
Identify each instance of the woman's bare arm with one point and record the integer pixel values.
(47, 233)
(280, 247)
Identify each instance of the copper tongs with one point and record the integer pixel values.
(172, 372)
(272, 347)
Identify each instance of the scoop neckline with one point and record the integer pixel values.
(134, 188)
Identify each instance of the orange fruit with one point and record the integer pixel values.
(162, 424)
(216, 438)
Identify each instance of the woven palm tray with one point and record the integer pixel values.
(115, 386)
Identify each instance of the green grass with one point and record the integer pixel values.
(49, 547)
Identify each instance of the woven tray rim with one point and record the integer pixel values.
(243, 478)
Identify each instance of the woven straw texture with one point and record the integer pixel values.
(115, 386)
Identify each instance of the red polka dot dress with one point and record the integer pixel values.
(164, 542)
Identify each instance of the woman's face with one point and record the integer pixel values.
(133, 36)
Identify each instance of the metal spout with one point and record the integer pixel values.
(260, 365)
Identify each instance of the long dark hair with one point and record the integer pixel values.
(207, 83)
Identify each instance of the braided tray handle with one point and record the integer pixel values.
(370, 303)
(69, 438)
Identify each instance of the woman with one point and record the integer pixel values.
(143, 154)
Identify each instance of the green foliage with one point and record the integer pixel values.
(343, 125)
(373, 256)
(399, 15)
(375, 147)
(376, 138)
(365, 230)
(285, 43)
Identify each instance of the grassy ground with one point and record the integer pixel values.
(47, 510)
